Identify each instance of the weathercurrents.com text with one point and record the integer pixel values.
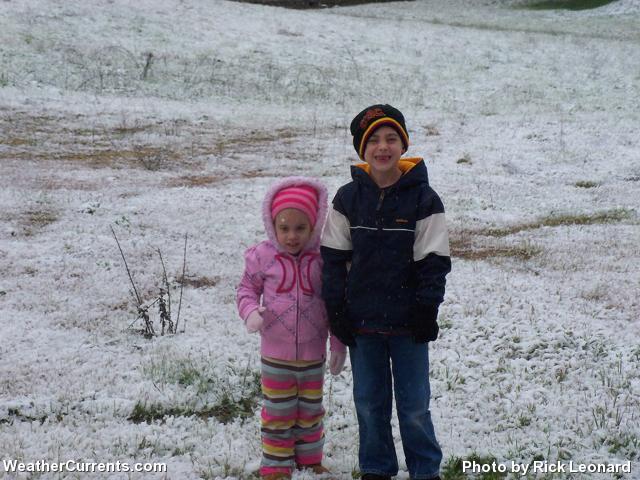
(44, 466)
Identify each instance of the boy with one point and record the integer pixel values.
(388, 225)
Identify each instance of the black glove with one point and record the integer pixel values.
(340, 325)
(424, 323)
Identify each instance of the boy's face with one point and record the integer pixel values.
(293, 230)
(383, 150)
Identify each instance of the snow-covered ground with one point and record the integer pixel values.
(166, 117)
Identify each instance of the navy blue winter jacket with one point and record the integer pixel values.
(384, 250)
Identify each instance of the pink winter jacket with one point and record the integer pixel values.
(295, 321)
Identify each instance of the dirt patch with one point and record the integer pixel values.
(610, 216)
(253, 140)
(69, 184)
(134, 143)
(471, 246)
(16, 141)
(484, 244)
(40, 218)
(30, 222)
(200, 282)
(147, 157)
(194, 181)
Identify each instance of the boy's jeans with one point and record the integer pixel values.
(372, 375)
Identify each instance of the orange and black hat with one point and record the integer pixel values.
(372, 118)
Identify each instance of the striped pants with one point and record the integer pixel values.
(292, 413)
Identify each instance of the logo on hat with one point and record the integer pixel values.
(370, 115)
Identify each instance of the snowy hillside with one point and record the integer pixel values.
(162, 118)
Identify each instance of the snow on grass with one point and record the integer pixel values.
(527, 119)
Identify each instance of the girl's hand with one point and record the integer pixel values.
(254, 320)
(336, 362)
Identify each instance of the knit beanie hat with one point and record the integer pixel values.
(301, 197)
(372, 118)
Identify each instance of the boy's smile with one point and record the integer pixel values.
(382, 152)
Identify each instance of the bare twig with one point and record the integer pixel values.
(148, 325)
(162, 306)
(127, 267)
(166, 284)
(184, 266)
(147, 66)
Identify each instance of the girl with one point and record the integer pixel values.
(280, 297)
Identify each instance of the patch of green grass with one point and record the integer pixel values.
(524, 421)
(181, 371)
(225, 410)
(586, 184)
(443, 321)
(227, 404)
(15, 413)
(179, 451)
(211, 472)
(596, 218)
(609, 216)
(567, 4)
(465, 159)
(452, 470)
(190, 375)
(627, 444)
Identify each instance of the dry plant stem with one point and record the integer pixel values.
(147, 66)
(142, 309)
(162, 306)
(149, 331)
(127, 267)
(184, 266)
(166, 284)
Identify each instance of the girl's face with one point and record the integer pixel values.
(293, 230)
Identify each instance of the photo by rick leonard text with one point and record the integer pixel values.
(43, 466)
(469, 466)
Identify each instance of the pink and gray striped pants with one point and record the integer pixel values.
(292, 413)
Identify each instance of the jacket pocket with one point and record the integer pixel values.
(312, 321)
(279, 318)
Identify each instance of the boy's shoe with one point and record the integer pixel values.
(373, 476)
(276, 476)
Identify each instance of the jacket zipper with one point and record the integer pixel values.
(380, 226)
(297, 276)
(378, 207)
(380, 200)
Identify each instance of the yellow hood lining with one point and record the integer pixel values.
(405, 164)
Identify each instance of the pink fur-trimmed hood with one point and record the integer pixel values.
(314, 241)
(287, 287)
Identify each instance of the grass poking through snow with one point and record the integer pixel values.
(568, 4)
